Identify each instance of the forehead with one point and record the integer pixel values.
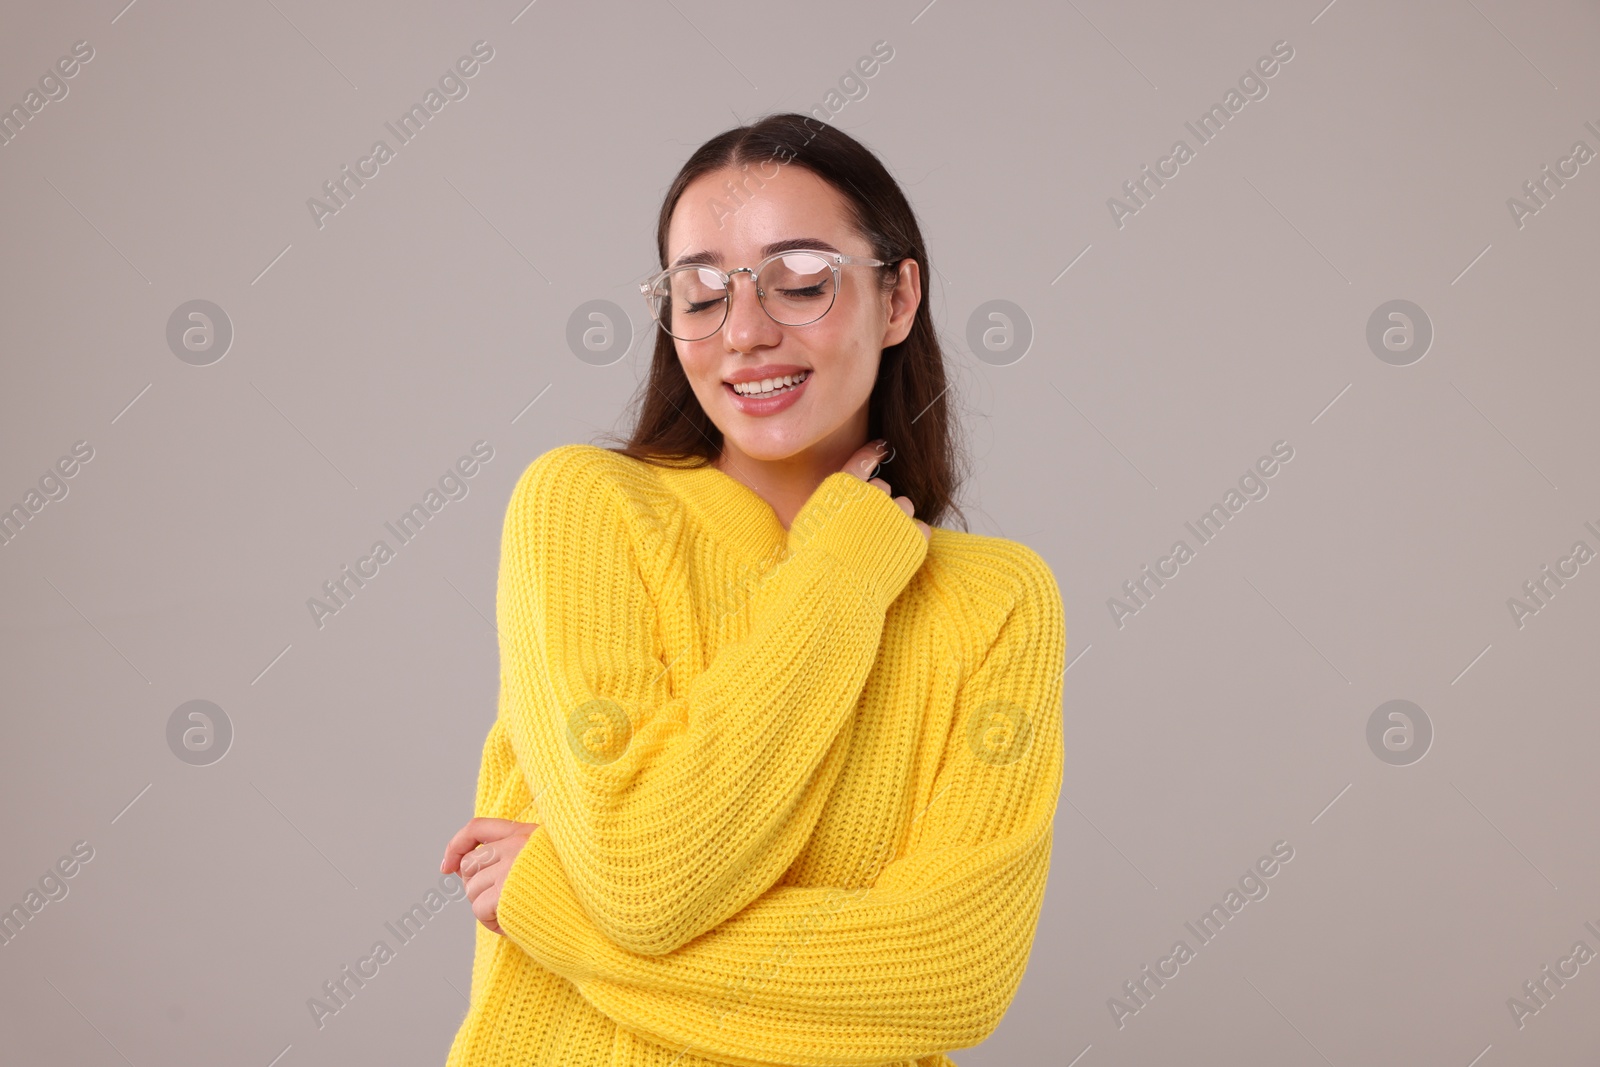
(770, 214)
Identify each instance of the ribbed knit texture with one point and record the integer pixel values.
(795, 787)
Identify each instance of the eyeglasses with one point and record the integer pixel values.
(795, 288)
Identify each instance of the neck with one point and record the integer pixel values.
(787, 483)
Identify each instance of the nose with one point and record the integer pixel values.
(748, 324)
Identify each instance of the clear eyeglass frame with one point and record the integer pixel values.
(834, 260)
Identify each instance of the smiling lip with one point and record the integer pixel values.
(769, 405)
(769, 370)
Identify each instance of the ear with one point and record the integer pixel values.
(903, 301)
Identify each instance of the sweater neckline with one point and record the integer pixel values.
(734, 512)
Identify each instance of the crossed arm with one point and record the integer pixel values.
(649, 882)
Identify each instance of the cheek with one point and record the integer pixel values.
(864, 328)
(845, 383)
(852, 358)
(698, 368)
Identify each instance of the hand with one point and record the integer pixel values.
(868, 458)
(482, 852)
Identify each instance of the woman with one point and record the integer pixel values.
(776, 761)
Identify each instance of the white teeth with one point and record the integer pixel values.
(769, 386)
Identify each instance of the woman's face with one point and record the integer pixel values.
(826, 414)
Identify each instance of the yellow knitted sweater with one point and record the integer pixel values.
(795, 787)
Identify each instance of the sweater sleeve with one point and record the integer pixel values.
(926, 959)
(671, 806)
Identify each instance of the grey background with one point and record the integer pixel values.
(1229, 313)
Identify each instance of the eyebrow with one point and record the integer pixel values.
(714, 258)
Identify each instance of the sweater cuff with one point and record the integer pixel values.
(537, 911)
(863, 529)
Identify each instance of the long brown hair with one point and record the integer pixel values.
(910, 403)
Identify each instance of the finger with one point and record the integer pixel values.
(479, 882)
(477, 860)
(866, 458)
(483, 909)
(927, 531)
(880, 483)
(905, 505)
(470, 836)
(879, 460)
(478, 833)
